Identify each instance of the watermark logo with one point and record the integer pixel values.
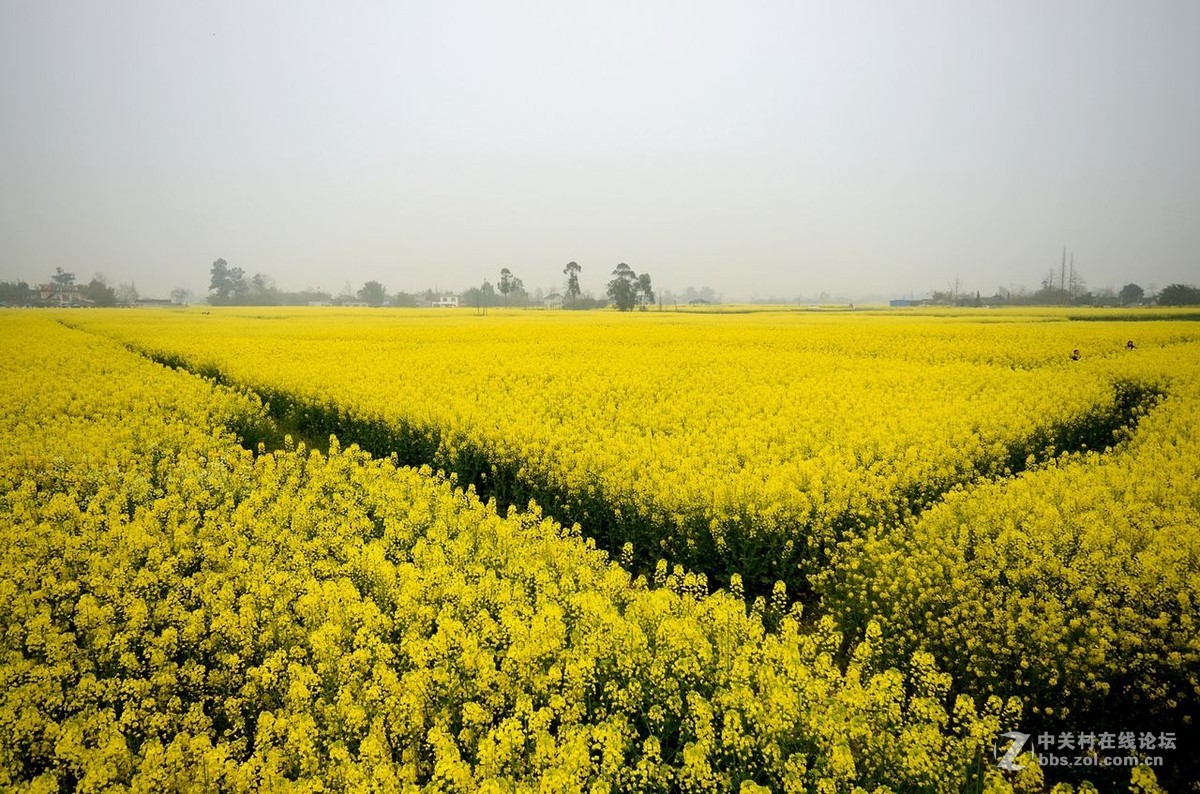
(1009, 759)
(1083, 748)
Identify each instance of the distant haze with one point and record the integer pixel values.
(769, 148)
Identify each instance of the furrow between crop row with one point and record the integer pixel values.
(733, 554)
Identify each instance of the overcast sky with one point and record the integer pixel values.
(770, 148)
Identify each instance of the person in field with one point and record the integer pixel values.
(1129, 345)
(1075, 354)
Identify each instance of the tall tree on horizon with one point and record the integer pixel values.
(622, 290)
(572, 271)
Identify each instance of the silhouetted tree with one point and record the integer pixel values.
(505, 285)
(262, 291)
(372, 293)
(1076, 286)
(645, 294)
(14, 293)
(480, 297)
(622, 290)
(127, 293)
(509, 284)
(99, 292)
(62, 279)
(1179, 295)
(572, 271)
(1131, 293)
(227, 285)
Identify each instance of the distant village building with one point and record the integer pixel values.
(553, 301)
(446, 301)
(56, 295)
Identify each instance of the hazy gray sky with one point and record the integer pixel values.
(761, 148)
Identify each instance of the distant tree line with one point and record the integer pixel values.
(693, 296)
(627, 290)
(63, 290)
(229, 286)
(510, 291)
(1065, 286)
(1051, 295)
(1179, 295)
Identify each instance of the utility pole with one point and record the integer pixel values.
(1071, 282)
(1062, 272)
